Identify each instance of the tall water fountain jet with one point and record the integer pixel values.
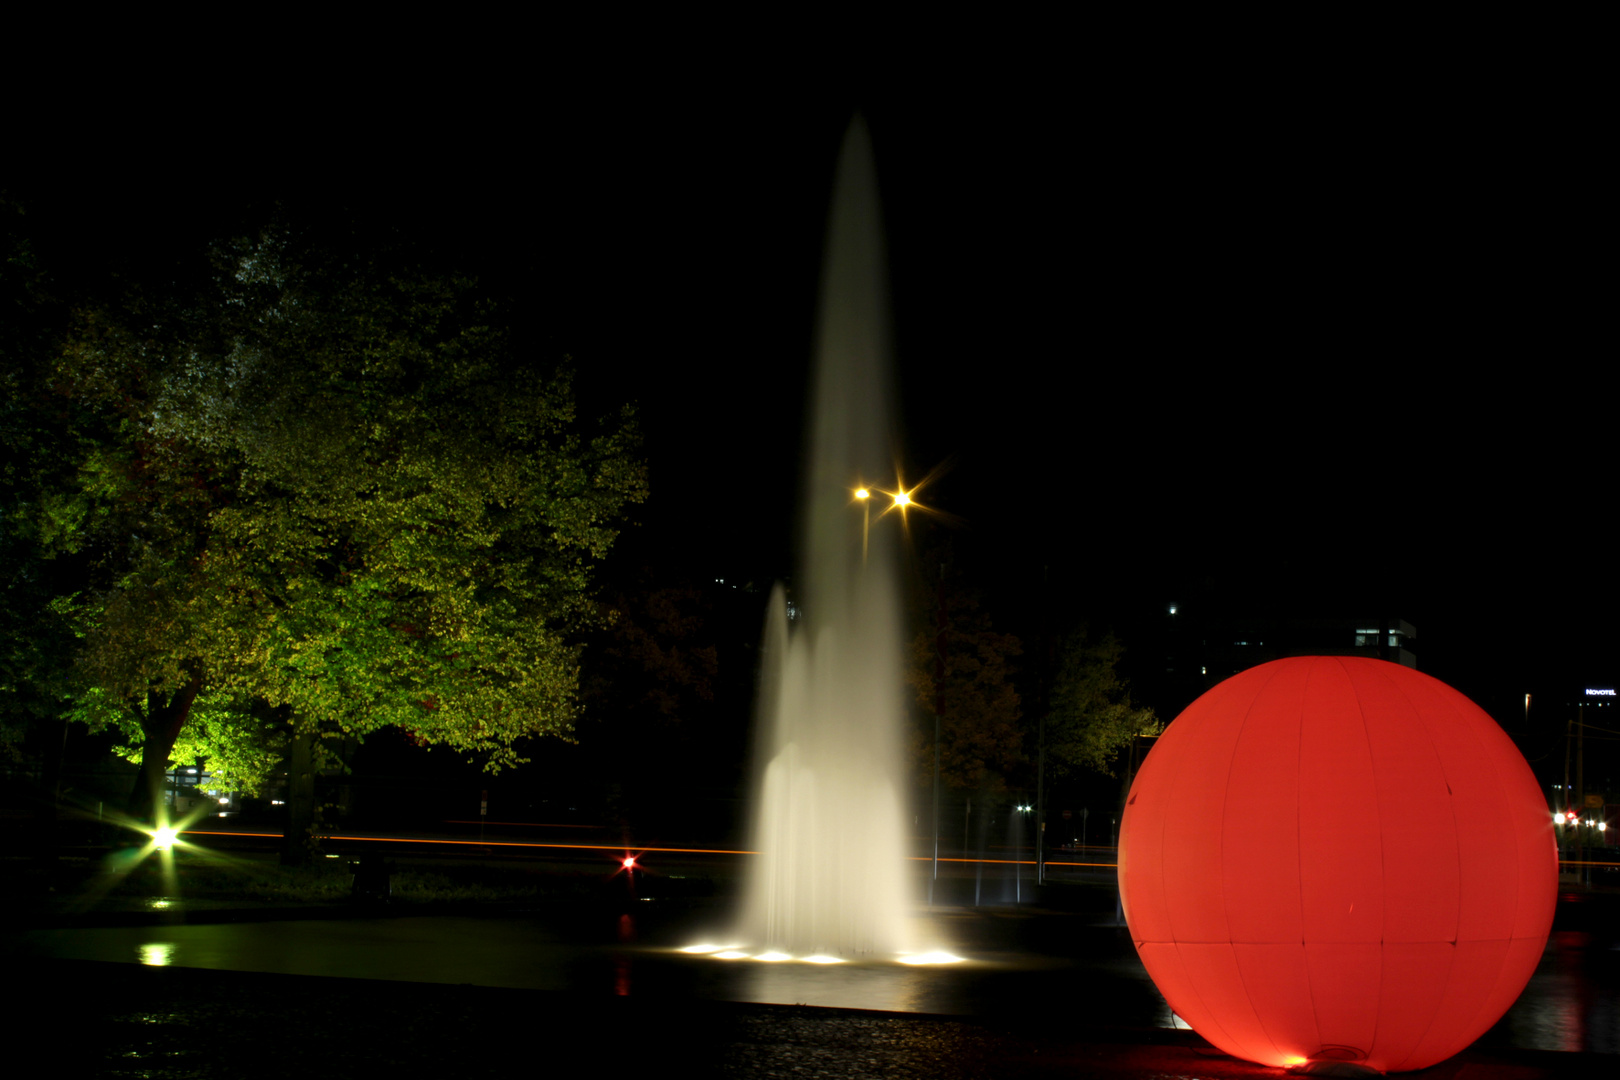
(830, 878)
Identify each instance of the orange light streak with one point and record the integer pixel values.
(620, 848)
(483, 843)
(522, 824)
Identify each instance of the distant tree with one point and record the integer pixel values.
(39, 437)
(981, 739)
(655, 657)
(648, 682)
(1091, 717)
(34, 442)
(333, 491)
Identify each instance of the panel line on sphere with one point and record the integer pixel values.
(1226, 795)
(1248, 993)
(1299, 828)
(1383, 866)
(1372, 759)
(1456, 824)
(1212, 1015)
(1498, 784)
(1441, 998)
(1259, 852)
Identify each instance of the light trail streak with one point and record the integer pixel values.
(523, 824)
(619, 848)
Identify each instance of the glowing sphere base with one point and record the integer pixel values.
(1337, 858)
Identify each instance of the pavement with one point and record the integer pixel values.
(130, 1020)
(118, 1019)
(87, 1017)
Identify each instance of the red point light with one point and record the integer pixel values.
(629, 862)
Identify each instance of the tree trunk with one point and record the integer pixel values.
(47, 811)
(161, 727)
(300, 800)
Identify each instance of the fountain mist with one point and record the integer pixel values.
(831, 874)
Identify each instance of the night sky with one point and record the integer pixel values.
(1303, 343)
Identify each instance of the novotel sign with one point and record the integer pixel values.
(1592, 692)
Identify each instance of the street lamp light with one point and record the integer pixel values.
(864, 497)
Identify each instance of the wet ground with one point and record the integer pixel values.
(192, 987)
(170, 994)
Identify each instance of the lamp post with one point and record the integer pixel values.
(864, 497)
(939, 708)
(902, 501)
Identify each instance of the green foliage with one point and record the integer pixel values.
(981, 740)
(241, 743)
(655, 658)
(326, 491)
(1091, 717)
(38, 440)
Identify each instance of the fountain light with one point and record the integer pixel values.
(822, 958)
(704, 950)
(937, 956)
(731, 954)
(773, 957)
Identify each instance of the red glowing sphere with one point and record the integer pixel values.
(1337, 858)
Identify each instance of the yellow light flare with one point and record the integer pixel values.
(862, 493)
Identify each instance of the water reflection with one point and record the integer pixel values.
(156, 953)
(1053, 966)
(1572, 1001)
(622, 960)
(882, 987)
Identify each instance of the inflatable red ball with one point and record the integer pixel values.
(1333, 857)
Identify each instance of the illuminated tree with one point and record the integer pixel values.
(981, 739)
(1091, 717)
(334, 491)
